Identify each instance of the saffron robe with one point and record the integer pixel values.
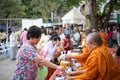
(81, 58)
(100, 65)
(104, 37)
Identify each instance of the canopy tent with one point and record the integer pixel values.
(73, 17)
(26, 23)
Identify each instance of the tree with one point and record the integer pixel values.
(100, 11)
(11, 9)
(44, 8)
(30, 8)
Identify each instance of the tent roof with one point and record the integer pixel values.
(73, 16)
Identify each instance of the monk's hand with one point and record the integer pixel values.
(69, 57)
(69, 77)
(61, 68)
(70, 73)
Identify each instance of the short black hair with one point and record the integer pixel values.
(55, 38)
(25, 29)
(34, 32)
(67, 36)
(53, 33)
(56, 28)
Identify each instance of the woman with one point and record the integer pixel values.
(49, 50)
(28, 57)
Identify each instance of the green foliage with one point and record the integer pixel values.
(11, 9)
(117, 5)
(35, 8)
(29, 9)
(43, 8)
(103, 10)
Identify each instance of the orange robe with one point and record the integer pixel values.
(83, 56)
(100, 65)
(104, 37)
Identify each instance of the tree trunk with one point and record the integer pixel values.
(87, 12)
(90, 10)
(111, 5)
(93, 11)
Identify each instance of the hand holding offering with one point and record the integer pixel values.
(61, 68)
(69, 57)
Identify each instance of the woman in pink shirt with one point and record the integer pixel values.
(23, 36)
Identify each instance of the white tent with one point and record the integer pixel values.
(74, 17)
(26, 23)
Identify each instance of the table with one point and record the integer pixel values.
(113, 50)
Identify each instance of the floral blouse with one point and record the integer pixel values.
(26, 68)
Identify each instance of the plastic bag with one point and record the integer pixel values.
(42, 73)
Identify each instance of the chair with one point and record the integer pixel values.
(3, 50)
(7, 46)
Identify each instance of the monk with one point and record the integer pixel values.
(100, 64)
(83, 56)
(104, 37)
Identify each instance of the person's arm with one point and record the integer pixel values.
(34, 56)
(62, 42)
(71, 45)
(69, 77)
(21, 37)
(69, 57)
(67, 45)
(44, 62)
(92, 69)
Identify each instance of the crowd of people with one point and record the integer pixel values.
(40, 49)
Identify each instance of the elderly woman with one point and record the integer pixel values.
(100, 64)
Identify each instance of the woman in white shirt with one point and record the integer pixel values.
(49, 50)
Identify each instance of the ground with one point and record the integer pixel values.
(7, 68)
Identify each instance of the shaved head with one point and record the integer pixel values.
(94, 38)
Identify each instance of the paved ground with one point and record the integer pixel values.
(7, 68)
